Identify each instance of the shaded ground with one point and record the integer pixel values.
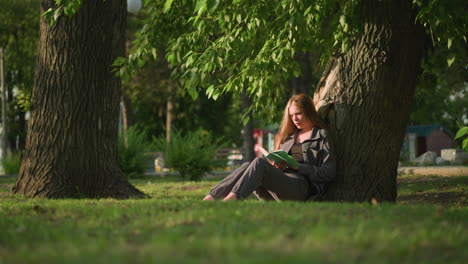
(447, 191)
(442, 198)
(441, 190)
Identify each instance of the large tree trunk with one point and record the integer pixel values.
(366, 96)
(71, 145)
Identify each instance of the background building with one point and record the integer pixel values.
(422, 138)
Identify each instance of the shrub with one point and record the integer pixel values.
(462, 134)
(404, 156)
(11, 163)
(191, 154)
(132, 154)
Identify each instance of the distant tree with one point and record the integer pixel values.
(19, 26)
(71, 148)
(149, 88)
(442, 92)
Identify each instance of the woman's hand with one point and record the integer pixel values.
(279, 166)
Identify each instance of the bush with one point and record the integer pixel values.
(191, 154)
(462, 134)
(132, 155)
(11, 163)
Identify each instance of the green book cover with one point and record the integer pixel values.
(279, 156)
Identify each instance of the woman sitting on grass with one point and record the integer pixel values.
(303, 135)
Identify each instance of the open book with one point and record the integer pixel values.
(280, 156)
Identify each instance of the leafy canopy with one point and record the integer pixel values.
(18, 38)
(224, 46)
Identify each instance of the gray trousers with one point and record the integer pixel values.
(268, 182)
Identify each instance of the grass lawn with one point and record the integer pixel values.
(428, 224)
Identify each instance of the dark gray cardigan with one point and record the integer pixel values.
(319, 159)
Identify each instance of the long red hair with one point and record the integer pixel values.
(287, 127)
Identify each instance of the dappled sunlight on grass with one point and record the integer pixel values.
(175, 226)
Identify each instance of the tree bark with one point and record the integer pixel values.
(303, 83)
(22, 130)
(71, 145)
(366, 95)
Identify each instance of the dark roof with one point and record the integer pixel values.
(426, 130)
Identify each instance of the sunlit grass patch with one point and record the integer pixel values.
(174, 226)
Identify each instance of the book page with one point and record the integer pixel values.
(263, 151)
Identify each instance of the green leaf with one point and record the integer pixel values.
(212, 5)
(57, 13)
(189, 61)
(461, 132)
(209, 91)
(450, 59)
(119, 61)
(167, 5)
(344, 46)
(296, 73)
(215, 95)
(141, 62)
(122, 72)
(449, 43)
(193, 93)
(345, 28)
(48, 14)
(245, 120)
(171, 58)
(465, 144)
(200, 6)
(342, 21)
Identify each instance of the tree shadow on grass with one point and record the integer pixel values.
(172, 179)
(448, 199)
(446, 191)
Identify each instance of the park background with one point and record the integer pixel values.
(430, 210)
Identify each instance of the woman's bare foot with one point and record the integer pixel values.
(230, 196)
(209, 197)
